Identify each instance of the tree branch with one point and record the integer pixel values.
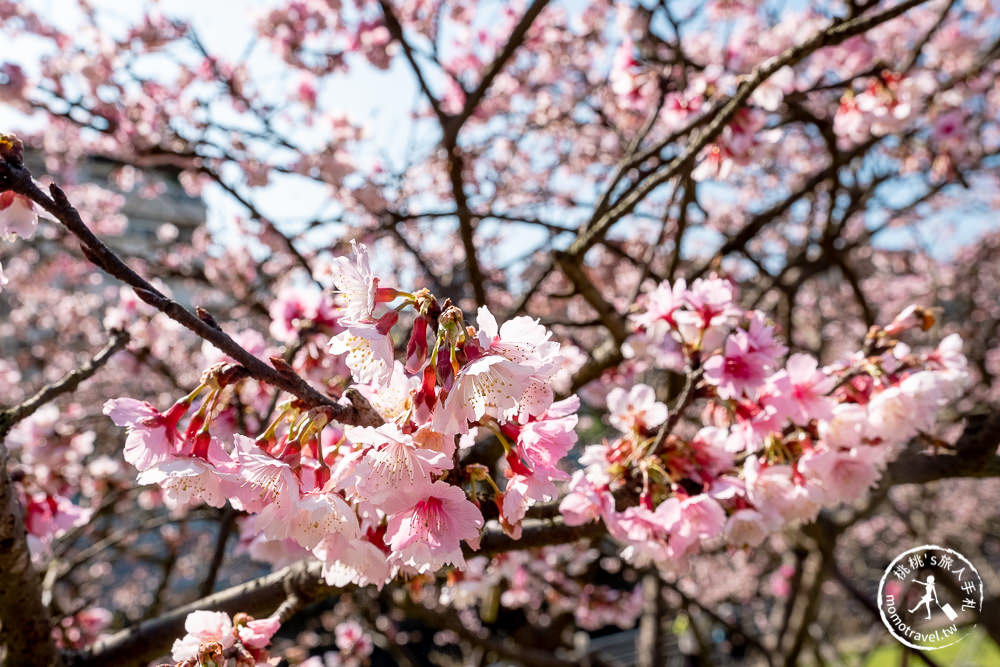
(15, 177)
(25, 627)
(69, 383)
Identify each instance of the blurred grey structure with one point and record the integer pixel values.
(146, 215)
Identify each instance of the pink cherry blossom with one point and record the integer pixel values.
(739, 370)
(843, 475)
(203, 627)
(356, 284)
(491, 386)
(395, 468)
(636, 409)
(369, 352)
(801, 390)
(152, 436)
(428, 535)
(17, 215)
(257, 633)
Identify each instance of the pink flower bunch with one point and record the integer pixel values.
(883, 107)
(373, 501)
(784, 438)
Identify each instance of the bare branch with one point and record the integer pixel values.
(69, 383)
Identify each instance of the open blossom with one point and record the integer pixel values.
(524, 341)
(203, 627)
(315, 517)
(523, 491)
(17, 215)
(846, 427)
(739, 370)
(47, 516)
(776, 496)
(745, 528)
(297, 307)
(842, 475)
(585, 502)
(256, 634)
(263, 480)
(356, 284)
(491, 386)
(395, 467)
(636, 409)
(152, 436)
(189, 479)
(801, 390)
(369, 352)
(353, 562)
(543, 442)
(428, 535)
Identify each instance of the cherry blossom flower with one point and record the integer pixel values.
(356, 284)
(801, 390)
(17, 215)
(257, 633)
(740, 370)
(543, 442)
(264, 480)
(394, 468)
(491, 386)
(351, 638)
(203, 627)
(369, 352)
(584, 502)
(636, 409)
(355, 561)
(428, 535)
(745, 528)
(843, 475)
(185, 480)
(152, 436)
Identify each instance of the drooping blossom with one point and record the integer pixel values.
(428, 535)
(262, 480)
(491, 386)
(152, 436)
(17, 215)
(395, 467)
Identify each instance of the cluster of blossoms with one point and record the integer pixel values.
(885, 105)
(373, 501)
(778, 440)
(214, 639)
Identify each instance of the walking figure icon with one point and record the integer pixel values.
(930, 593)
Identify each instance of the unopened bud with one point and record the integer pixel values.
(11, 150)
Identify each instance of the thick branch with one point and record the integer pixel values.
(25, 627)
(150, 639)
